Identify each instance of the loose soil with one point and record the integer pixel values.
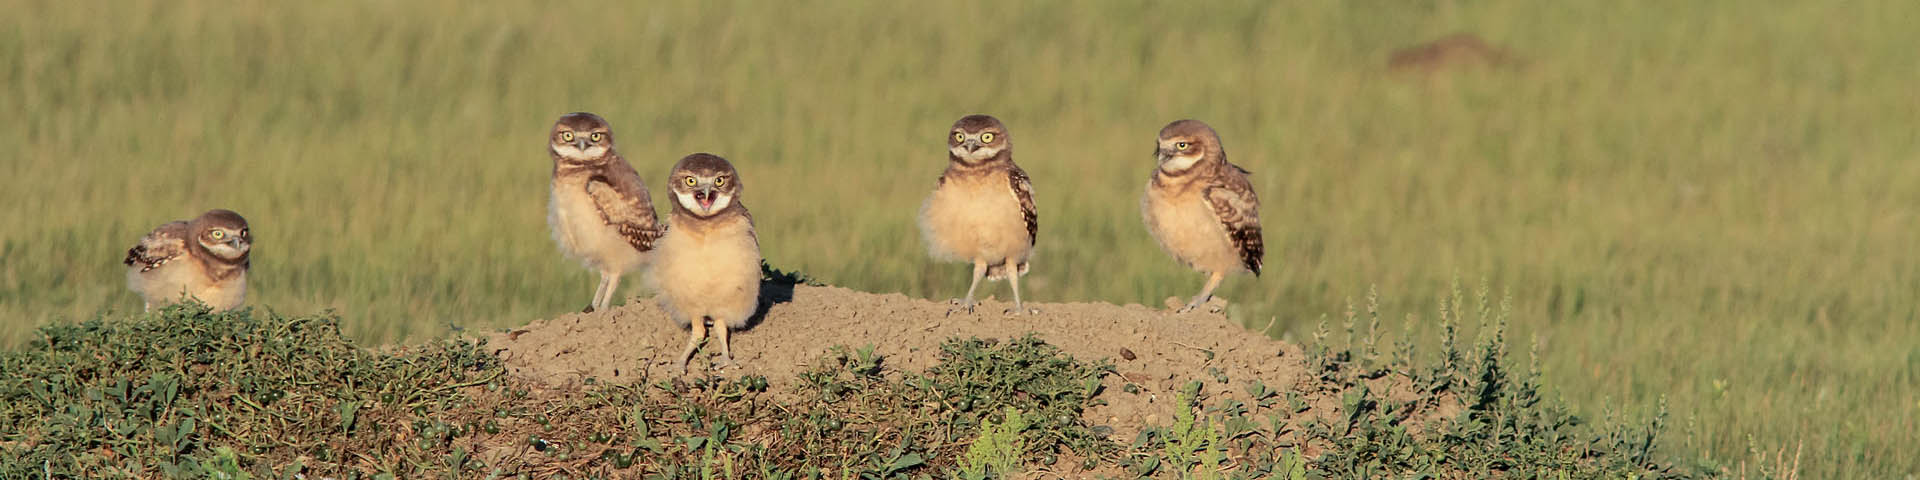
(1154, 349)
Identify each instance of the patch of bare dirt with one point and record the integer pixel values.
(1456, 51)
(1152, 348)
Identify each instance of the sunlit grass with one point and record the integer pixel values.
(1713, 201)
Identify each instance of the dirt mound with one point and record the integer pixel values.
(1456, 51)
(1152, 348)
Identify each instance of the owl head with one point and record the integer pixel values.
(222, 233)
(580, 137)
(704, 184)
(977, 138)
(1184, 143)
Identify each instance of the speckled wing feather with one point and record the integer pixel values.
(1238, 209)
(624, 204)
(1023, 192)
(751, 235)
(159, 246)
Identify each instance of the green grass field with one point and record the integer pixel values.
(1714, 201)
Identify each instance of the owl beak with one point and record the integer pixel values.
(705, 196)
(972, 145)
(580, 143)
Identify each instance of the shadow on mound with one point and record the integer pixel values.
(772, 292)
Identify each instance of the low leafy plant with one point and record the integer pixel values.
(187, 392)
(935, 415)
(998, 449)
(1193, 442)
(1463, 413)
(1471, 414)
(770, 273)
(190, 393)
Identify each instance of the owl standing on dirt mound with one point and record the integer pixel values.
(1202, 209)
(982, 211)
(709, 265)
(599, 209)
(204, 258)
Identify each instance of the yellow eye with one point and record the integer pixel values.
(595, 137)
(720, 182)
(566, 136)
(959, 137)
(1182, 145)
(692, 182)
(219, 234)
(986, 137)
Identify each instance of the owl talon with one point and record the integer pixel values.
(724, 362)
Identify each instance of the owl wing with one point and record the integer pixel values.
(158, 247)
(751, 235)
(1023, 193)
(1238, 209)
(624, 204)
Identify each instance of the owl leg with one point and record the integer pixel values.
(698, 333)
(613, 286)
(720, 332)
(979, 272)
(597, 292)
(1013, 280)
(1206, 293)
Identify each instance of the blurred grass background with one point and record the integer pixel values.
(1709, 201)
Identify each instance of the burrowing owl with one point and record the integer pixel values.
(1201, 208)
(982, 211)
(599, 209)
(709, 265)
(204, 258)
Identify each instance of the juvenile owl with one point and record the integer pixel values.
(205, 258)
(982, 210)
(1202, 209)
(708, 270)
(598, 208)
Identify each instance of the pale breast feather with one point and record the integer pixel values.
(1237, 207)
(159, 247)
